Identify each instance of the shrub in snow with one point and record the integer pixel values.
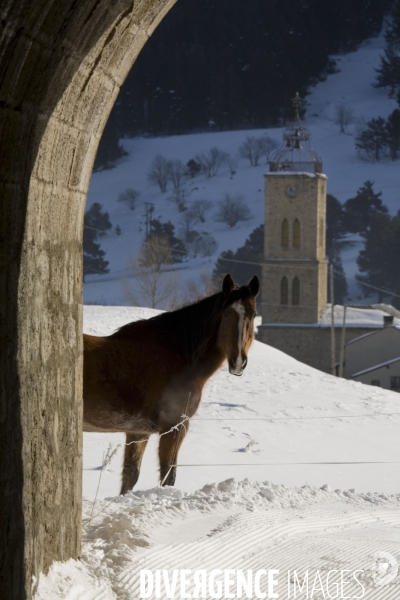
(254, 148)
(178, 196)
(202, 244)
(233, 209)
(193, 168)
(159, 172)
(177, 173)
(129, 197)
(251, 149)
(210, 162)
(187, 220)
(199, 208)
(268, 146)
(344, 116)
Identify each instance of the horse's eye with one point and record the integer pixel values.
(225, 313)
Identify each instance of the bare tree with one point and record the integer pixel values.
(187, 220)
(211, 161)
(179, 196)
(149, 270)
(199, 208)
(232, 165)
(159, 172)
(129, 197)
(251, 149)
(197, 290)
(233, 209)
(268, 146)
(344, 116)
(177, 173)
(204, 244)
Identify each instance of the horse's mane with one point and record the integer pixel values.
(191, 327)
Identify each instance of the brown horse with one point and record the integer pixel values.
(143, 378)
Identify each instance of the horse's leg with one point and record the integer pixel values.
(132, 459)
(168, 449)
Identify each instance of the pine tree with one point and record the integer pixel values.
(335, 222)
(372, 141)
(389, 72)
(167, 230)
(360, 209)
(392, 35)
(245, 262)
(335, 230)
(378, 262)
(393, 133)
(96, 223)
(109, 150)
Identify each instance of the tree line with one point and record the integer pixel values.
(232, 64)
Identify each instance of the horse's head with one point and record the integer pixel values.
(236, 330)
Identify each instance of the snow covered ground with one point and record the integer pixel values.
(285, 468)
(253, 502)
(345, 171)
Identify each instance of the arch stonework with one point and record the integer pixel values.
(61, 66)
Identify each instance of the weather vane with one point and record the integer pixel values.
(297, 104)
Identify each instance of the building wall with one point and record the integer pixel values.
(383, 375)
(310, 345)
(307, 261)
(372, 350)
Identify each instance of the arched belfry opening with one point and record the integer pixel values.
(61, 67)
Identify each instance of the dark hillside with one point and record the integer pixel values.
(229, 64)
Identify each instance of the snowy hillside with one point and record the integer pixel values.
(257, 501)
(345, 171)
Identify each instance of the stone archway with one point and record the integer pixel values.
(61, 65)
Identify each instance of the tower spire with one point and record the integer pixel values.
(297, 104)
(296, 154)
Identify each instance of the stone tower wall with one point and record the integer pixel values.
(307, 261)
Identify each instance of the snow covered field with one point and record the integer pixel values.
(285, 468)
(252, 503)
(345, 171)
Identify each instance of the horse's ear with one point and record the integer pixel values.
(227, 285)
(254, 286)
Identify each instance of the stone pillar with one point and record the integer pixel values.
(61, 65)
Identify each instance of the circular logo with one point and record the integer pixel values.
(384, 568)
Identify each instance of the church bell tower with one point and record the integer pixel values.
(294, 272)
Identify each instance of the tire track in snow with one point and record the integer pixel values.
(313, 539)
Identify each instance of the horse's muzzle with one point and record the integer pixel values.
(236, 366)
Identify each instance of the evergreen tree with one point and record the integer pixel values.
(167, 230)
(392, 35)
(393, 133)
(389, 72)
(335, 230)
(235, 263)
(359, 210)
(339, 277)
(204, 61)
(96, 223)
(109, 150)
(378, 262)
(372, 141)
(335, 222)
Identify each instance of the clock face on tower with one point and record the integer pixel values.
(291, 191)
